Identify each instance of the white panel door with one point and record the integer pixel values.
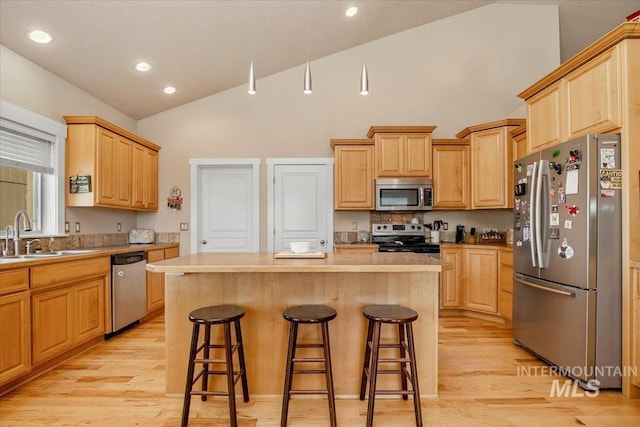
(226, 209)
(300, 206)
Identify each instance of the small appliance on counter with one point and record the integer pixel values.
(460, 234)
(142, 236)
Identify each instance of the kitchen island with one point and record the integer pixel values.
(265, 287)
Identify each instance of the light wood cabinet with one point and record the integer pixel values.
(635, 358)
(68, 301)
(481, 280)
(451, 162)
(112, 183)
(519, 138)
(123, 167)
(15, 331)
(505, 278)
(353, 174)
(155, 281)
(544, 115)
(145, 178)
(491, 163)
(592, 96)
(451, 283)
(402, 151)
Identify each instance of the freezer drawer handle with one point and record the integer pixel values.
(544, 288)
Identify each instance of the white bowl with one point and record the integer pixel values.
(300, 247)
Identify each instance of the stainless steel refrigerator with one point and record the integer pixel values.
(567, 302)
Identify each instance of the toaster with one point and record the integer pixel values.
(142, 236)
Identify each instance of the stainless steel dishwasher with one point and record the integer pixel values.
(128, 288)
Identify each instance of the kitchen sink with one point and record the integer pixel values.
(76, 251)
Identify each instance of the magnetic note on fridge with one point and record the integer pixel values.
(571, 186)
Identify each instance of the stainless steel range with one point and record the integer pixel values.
(402, 238)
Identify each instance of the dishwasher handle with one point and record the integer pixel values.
(128, 258)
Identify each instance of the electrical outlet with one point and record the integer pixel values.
(184, 226)
(67, 227)
(354, 225)
(77, 227)
(119, 227)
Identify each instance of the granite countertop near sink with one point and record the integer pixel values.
(41, 258)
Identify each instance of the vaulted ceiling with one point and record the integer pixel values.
(204, 47)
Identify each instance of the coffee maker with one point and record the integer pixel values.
(460, 234)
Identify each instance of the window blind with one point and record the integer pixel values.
(26, 148)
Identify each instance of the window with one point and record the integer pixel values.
(31, 169)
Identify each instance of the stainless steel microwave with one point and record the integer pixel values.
(404, 194)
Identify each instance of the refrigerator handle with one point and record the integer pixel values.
(545, 212)
(538, 213)
(544, 288)
(532, 215)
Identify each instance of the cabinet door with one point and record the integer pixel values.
(417, 155)
(15, 336)
(151, 180)
(592, 96)
(52, 323)
(489, 176)
(353, 177)
(505, 278)
(451, 177)
(635, 335)
(155, 282)
(138, 176)
(544, 119)
(389, 155)
(451, 283)
(89, 312)
(113, 169)
(481, 280)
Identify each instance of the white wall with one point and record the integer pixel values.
(30, 86)
(453, 73)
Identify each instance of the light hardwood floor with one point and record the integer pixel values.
(121, 383)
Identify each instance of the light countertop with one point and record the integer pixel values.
(266, 263)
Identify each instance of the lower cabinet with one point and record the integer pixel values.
(451, 283)
(67, 317)
(505, 278)
(481, 280)
(474, 282)
(15, 331)
(155, 281)
(635, 336)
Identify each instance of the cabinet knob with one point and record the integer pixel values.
(204, 242)
(322, 242)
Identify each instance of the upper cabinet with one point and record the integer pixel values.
(451, 162)
(402, 151)
(491, 163)
(353, 174)
(122, 167)
(519, 138)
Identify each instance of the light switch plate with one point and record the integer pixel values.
(77, 227)
(184, 226)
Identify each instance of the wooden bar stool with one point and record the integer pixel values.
(403, 317)
(208, 316)
(321, 314)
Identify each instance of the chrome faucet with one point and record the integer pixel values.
(29, 243)
(26, 226)
(5, 245)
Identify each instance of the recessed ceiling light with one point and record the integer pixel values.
(351, 11)
(169, 90)
(143, 66)
(40, 36)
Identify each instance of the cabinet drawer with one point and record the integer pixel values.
(65, 272)
(506, 258)
(172, 252)
(506, 305)
(14, 280)
(155, 255)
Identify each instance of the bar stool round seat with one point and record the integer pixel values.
(207, 317)
(308, 314)
(403, 317)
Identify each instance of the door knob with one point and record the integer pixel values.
(204, 242)
(322, 242)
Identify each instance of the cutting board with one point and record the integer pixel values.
(308, 255)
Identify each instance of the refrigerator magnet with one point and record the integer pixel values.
(568, 224)
(525, 234)
(608, 158)
(572, 210)
(553, 233)
(565, 251)
(554, 219)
